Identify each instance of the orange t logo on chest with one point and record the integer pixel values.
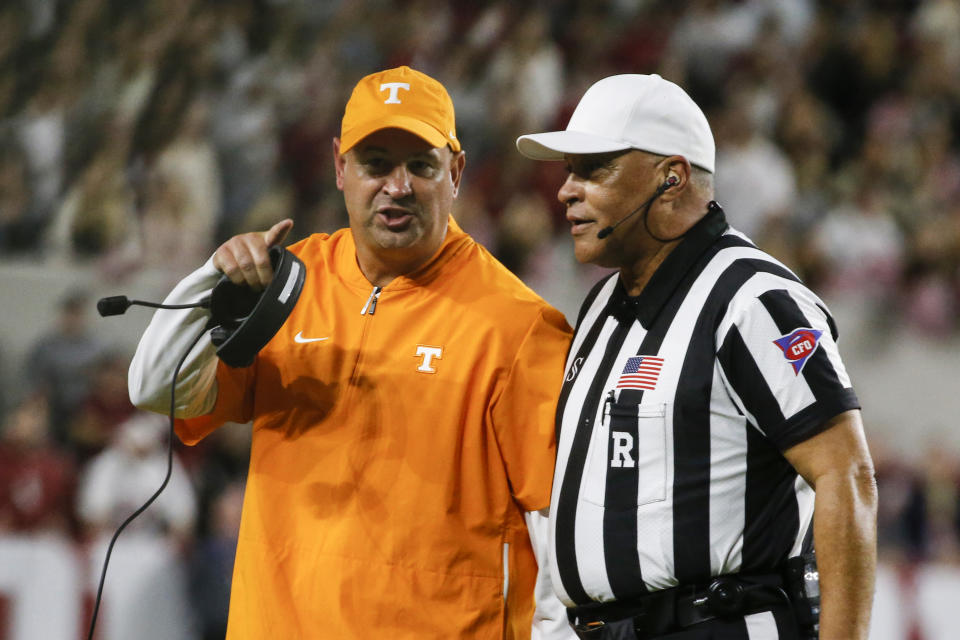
(427, 354)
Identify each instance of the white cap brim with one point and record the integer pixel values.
(553, 145)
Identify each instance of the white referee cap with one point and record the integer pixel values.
(630, 111)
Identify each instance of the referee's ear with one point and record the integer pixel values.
(678, 167)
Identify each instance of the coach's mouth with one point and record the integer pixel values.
(395, 218)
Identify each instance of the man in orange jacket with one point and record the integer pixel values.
(402, 416)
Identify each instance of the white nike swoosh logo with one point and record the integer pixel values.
(299, 338)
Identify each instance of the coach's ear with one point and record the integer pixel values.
(338, 162)
(457, 163)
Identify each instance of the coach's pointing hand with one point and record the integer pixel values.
(245, 258)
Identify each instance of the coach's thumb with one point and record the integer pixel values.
(275, 234)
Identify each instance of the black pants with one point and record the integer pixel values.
(776, 624)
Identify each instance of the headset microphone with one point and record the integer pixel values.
(606, 231)
(242, 320)
(118, 305)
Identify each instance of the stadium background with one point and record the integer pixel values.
(134, 137)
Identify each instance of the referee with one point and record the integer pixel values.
(709, 438)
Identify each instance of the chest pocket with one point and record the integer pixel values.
(627, 460)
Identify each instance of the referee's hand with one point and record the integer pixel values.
(245, 258)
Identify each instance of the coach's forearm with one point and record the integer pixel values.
(845, 536)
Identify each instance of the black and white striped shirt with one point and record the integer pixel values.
(675, 411)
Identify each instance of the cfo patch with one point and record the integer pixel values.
(798, 346)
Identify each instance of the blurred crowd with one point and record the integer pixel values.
(139, 135)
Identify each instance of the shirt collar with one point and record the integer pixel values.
(647, 306)
(349, 271)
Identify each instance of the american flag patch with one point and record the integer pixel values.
(640, 372)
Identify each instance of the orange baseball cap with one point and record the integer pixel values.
(401, 98)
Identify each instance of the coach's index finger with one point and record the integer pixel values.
(245, 258)
(272, 237)
(276, 234)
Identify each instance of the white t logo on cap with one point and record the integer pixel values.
(394, 89)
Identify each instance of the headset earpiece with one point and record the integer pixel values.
(243, 321)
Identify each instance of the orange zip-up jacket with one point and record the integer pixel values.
(398, 438)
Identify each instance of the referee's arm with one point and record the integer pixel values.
(837, 464)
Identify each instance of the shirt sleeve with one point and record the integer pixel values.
(208, 393)
(781, 363)
(232, 403)
(524, 412)
(162, 345)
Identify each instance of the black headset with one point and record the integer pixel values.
(242, 321)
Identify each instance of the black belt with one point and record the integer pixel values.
(677, 608)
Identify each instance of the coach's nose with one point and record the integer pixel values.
(398, 184)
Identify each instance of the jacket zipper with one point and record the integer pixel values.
(506, 569)
(371, 305)
(368, 309)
